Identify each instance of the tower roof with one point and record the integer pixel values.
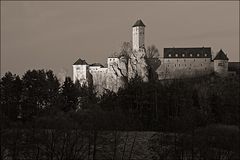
(221, 56)
(139, 23)
(80, 62)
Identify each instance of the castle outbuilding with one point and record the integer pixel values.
(221, 63)
(176, 63)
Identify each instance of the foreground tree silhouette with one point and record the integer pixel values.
(11, 90)
(40, 90)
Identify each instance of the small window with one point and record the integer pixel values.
(179, 65)
(220, 64)
(194, 59)
(78, 68)
(201, 64)
(184, 60)
(198, 55)
(169, 55)
(176, 55)
(190, 55)
(175, 65)
(183, 55)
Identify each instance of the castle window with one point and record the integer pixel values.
(205, 55)
(175, 65)
(183, 55)
(179, 65)
(190, 55)
(169, 55)
(194, 59)
(185, 65)
(201, 64)
(220, 64)
(176, 55)
(78, 68)
(198, 55)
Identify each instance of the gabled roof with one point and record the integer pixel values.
(194, 52)
(80, 62)
(221, 56)
(139, 23)
(97, 64)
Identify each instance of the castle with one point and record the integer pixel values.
(175, 63)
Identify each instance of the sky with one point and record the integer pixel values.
(53, 35)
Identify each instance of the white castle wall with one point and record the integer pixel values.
(184, 67)
(80, 73)
(98, 77)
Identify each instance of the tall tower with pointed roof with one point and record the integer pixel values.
(138, 35)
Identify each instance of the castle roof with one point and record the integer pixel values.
(97, 64)
(80, 62)
(221, 56)
(195, 52)
(139, 23)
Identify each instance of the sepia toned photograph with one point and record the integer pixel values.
(120, 80)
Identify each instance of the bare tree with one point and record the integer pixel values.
(152, 52)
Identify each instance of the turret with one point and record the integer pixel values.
(221, 63)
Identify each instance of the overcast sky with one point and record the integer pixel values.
(53, 35)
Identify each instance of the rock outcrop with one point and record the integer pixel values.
(117, 75)
(137, 66)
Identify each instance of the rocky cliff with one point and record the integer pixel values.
(117, 75)
(137, 66)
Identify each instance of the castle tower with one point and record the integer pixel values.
(81, 71)
(221, 63)
(138, 35)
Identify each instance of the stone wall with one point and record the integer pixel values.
(181, 68)
(221, 67)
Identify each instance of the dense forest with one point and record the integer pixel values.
(196, 118)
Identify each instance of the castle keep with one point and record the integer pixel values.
(175, 63)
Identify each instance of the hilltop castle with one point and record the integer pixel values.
(176, 63)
